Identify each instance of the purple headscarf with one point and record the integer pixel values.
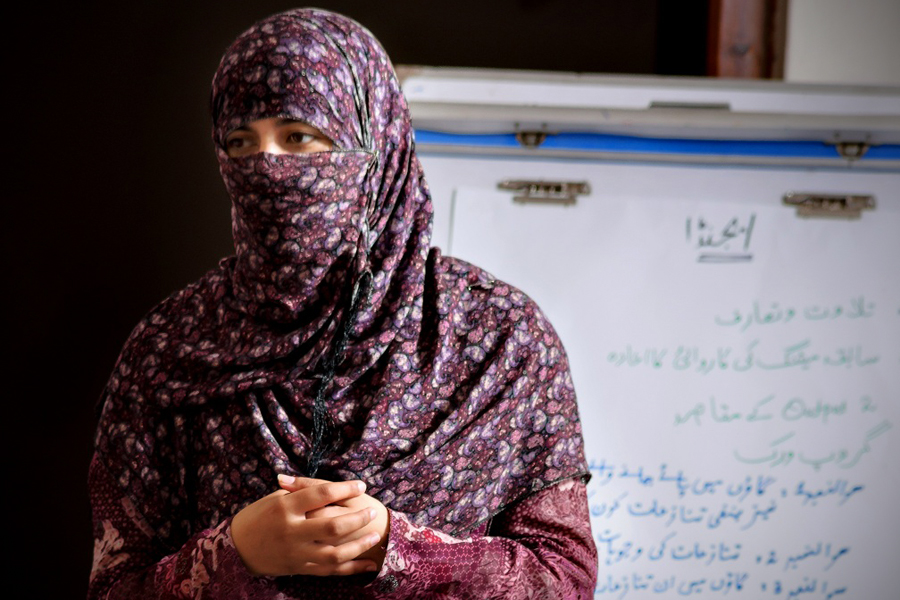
(446, 390)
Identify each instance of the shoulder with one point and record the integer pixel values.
(135, 421)
(189, 308)
(487, 300)
(186, 318)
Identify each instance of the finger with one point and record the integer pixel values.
(292, 483)
(351, 567)
(318, 496)
(333, 510)
(277, 493)
(334, 555)
(333, 530)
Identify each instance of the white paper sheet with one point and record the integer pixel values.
(738, 373)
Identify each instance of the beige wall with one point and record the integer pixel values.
(843, 41)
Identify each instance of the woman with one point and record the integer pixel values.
(337, 399)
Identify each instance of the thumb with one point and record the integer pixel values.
(292, 484)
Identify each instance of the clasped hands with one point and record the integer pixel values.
(312, 527)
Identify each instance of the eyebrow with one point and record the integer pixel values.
(279, 121)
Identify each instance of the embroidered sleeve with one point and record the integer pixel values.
(130, 563)
(540, 548)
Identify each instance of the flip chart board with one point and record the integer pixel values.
(737, 366)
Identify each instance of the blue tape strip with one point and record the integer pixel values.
(622, 143)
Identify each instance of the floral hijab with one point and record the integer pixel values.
(336, 341)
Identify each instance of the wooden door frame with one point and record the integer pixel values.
(746, 38)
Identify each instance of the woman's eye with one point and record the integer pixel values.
(237, 142)
(239, 145)
(299, 137)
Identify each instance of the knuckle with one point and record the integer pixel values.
(280, 508)
(333, 528)
(332, 556)
(293, 524)
(326, 493)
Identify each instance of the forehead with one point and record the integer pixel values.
(292, 65)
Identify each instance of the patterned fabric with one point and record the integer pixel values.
(451, 395)
(539, 549)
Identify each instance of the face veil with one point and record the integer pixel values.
(336, 336)
(309, 228)
(322, 240)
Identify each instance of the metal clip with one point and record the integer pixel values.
(852, 150)
(547, 192)
(531, 139)
(841, 206)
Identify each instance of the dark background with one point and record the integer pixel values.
(115, 198)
